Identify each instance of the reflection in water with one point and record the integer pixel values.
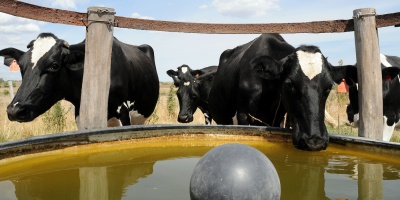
(370, 181)
(155, 172)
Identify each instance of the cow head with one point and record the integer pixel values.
(188, 93)
(307, 79)
(44, 76)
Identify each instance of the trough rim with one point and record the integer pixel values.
(55, 141)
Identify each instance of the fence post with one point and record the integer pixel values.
(96, 76)
(369, 74)
(10, 85)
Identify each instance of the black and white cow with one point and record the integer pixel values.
(267, 77)
(53, 70)
(391, 96)
(193, 90)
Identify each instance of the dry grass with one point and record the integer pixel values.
(10, 131)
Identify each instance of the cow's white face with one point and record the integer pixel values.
(40, 47)
(310, 63)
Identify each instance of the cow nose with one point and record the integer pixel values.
(183, 118)
(314, 143)
(17, 112)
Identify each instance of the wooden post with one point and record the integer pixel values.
(10, 85)
(96, 76)
(370, 178)
(369, 74)
(93, 183)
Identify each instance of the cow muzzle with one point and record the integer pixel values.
(20, 113)
(312, 143)
(185, 118)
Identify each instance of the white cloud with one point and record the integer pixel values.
(12, 24)
(64, 4)
(245, 8)
(20, 28)
(204, 6)
(137, 15)
(6, 19)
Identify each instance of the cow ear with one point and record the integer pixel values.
(196, 73)
(205, 77)
(391, 72)
(30, 44)
(174, 75)
(12, 53)
(348, 72)
(72, 58)
(267, 67)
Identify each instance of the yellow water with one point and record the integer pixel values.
(160, 168)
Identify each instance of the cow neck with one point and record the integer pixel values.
(73, 87)
(276, 113)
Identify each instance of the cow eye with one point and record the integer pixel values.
(54, 67)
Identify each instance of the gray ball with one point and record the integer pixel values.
(234, 171)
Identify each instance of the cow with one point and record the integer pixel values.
(53, 70)
(390, 94)
(258, 82)
(193, 90)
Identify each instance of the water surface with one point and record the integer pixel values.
(161, 169)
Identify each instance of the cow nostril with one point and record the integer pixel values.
(183, 117)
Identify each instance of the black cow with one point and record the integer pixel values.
(261, 80)
(194, 88)
(52, 70)
(391, 96)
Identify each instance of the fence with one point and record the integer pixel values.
(364, 24)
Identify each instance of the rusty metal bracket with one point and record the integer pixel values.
(102, 11)
(361, 15)
(108, 23)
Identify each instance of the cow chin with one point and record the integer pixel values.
(310, 143)
(21, 114)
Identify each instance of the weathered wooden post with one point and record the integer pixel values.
(370, 178)
(10, 85)
(369, 74)
(96, 76)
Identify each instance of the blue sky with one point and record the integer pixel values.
(201, 50)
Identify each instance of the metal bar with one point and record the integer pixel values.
(30, 11)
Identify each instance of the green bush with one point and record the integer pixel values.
(55, 118)
(153, 119)
(171, 101)
(6, 92)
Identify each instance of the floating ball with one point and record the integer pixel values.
(234, 171)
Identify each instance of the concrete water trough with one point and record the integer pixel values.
(156, 162)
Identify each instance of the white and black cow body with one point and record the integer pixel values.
(391, 96)
(193, 91)
(267, 78)
(52, 70)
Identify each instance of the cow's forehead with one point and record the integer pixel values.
(310, 63)
(41, 46)
(184, 69)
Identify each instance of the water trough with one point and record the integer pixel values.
(156, 162)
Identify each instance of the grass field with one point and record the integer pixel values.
(61, 117)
